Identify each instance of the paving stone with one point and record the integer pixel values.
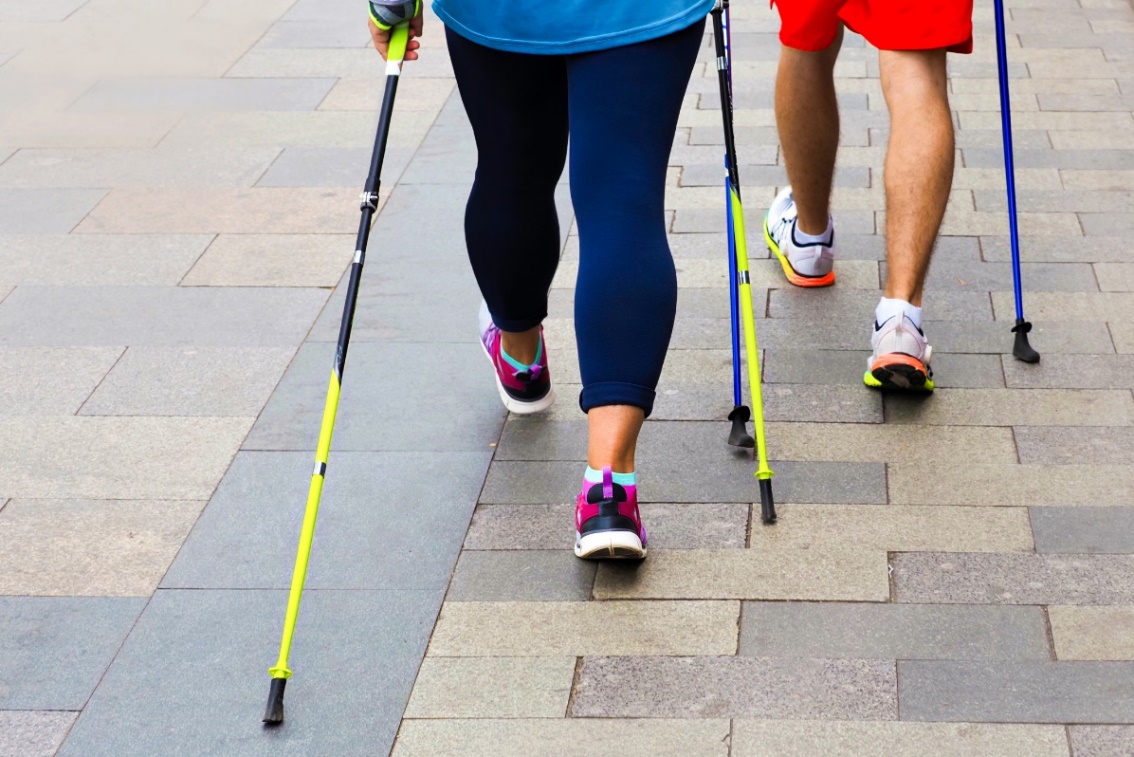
(45, 211)
(1123, 334)
(1061, 157)
(230, 93)
(1085, 530)
(116, 548)
(1068, 249)
(349, 642)
(95, 168)
(117, 458)
(897, 528)
(332, 167)
(186, 381)
(363, 93)
(318, 129)
(73, 129)
(51, 381)
(1115, 277)
(829, 573)
(792, 738)
(1093, 633)
(696, 273)
(1105, 224)
(331, 63)
(492, 687)
(53, 650)
(571, 737)
(91, 260)
(1071, 306)
(157, 316)
(965, 275)
(982, 484)
(368, 537)
(260, 210)
(1013, 407)
(1014, 579)
(1101, 740)
(1066, 446)
(834, 367)
(680, 687)
(1051, 337)
(1072, 372)
(1113, 181)
(527, 575)
(284, 260)
(320, 33)
(1042, 692)
(33, 734)
(470, 418)
(888, 631)
(887, 443)
(541, 629)
(52, 10)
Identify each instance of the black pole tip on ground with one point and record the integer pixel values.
(739, 437)
(1022, 350)
(767, 504)
(273, 714)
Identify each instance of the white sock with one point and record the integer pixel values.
(889, 308)
(824, 238)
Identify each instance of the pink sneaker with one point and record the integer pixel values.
(607, 523)
(524, 389)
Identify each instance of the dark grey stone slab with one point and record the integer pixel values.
(972, 276)
(387, 520)
(447, 155)
(1017, 691)
(890, 631)
(45, 211)
(1084, 530)
(355, 656)
(995, 337)
(1064, 445)
(1102, 740)
(1087, 159)
(322, 33)
(332, 167)
(722, 687)
(220, 94)
(1018, 579)
(53, 650)
(834, 367)
(1071, 372)
(158, 316)
(522, 576)
(382, 407)
(1056, 249)
(33, 733)
(728, 478)
(858, 305)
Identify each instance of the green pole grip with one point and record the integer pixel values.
(399, 38)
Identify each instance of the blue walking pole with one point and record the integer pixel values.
(1022, 350)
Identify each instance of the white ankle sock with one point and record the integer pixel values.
(889, 308)
(824, 238)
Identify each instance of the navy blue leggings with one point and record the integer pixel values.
(622, 106)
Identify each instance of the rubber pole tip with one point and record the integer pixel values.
(273, 713)
(738, 436)
(1022, 350)
(767, 504)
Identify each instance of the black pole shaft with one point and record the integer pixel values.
(726, 100)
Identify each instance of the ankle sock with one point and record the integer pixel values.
(593, 476)
(516, 363)
(804, 239)
(890, 307)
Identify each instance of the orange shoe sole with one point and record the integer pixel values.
(897, 370)
(792, 275)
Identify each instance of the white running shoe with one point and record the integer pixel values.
(901, 356)
(805, 265)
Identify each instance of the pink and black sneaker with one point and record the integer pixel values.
(524, 389)
(607, 523)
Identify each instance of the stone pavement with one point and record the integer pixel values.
(953, 575)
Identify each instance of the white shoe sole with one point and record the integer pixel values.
(610, 545)
(513, 405)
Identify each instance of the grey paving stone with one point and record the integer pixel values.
(380, 410)
(1072, 372)
(529, 575)
(873, 247)
(1055, 249)
(1056, 200)
(51, 10)
(1042, 692)
(332, 167)
(858, 305)
(992, 337)
(1115, 277)
(231, 93)
(275, 260)
(1067, 445)
(213, 381)
(102, 259)
(319, 128)
(1084, 530)
(1085, 159)
(1092, 633)
(447, 155)
(1101, 740)
(706, 687)
(347, 642)
(97, 168)
(51, 381)
(727, 479)
(700, 175)
(322, 32)
(986, 485)
(32, 733)
(1022, 579)
(491, 687)
(331, 63)
(833, 367)
(45, 211)
(1013, 407)
(1105, 224)
(387, 520)
(157, 316)
(53, 650)
(890, 631)
(967, 275)
(688, 526)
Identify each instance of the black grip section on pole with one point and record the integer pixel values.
(1022, 350)
(767, 504)
(726, 99)
(273, 713)
(739, 436)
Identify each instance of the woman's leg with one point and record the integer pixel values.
(517, 105)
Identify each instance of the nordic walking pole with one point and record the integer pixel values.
(1022, 350)
(399, 38)
(738, 243)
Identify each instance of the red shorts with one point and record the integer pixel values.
(811, 25)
